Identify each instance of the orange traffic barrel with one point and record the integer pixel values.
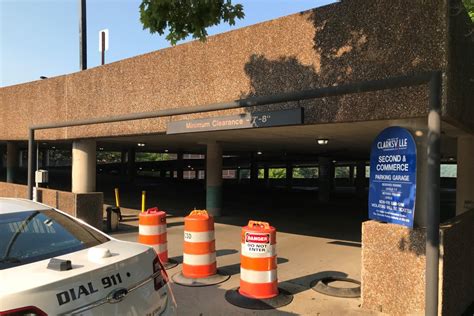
(258, 261)
(199, 252)
(258, 270)
(152, 232)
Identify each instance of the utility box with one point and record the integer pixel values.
(41, 176)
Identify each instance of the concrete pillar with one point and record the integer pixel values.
(83, 166)
(2, 152)
(2, 158)
(237, 174)
(351, 174)
(214, 179)
(20, 159)
(465, 175)
(289, 175)
(123, 162)
(360, 179)
(253, 169)
(12, 161)
(325, 181)
(44, 157)
(332, 175)
(266, 176)
(131, 168)
(179, 169)
(421, 202)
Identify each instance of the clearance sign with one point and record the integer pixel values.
(392, 190)
(241, 121)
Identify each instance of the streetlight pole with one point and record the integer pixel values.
(82, 35)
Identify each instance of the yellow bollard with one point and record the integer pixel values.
(143, 200)
(117, 197)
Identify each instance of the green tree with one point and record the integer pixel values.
(305, 172)
(109, 157)
(144, 156)
(187, 17)
(469, 4)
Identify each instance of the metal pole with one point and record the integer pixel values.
(31, 162)
(82, 35)
(432, 183)
(102, 38)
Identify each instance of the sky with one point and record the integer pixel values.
(41, 37)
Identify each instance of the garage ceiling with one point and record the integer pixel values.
(345, 139)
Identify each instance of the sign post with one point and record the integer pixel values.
(392, 190)
(103, 43)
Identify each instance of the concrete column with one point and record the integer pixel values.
(289, 175)
(351, 174)
(237, 174)
(83, 166)
(131, 168)
(253, 169)
(20, 159)
(2, 152)
(162, 173)
(325, 181)
(214, 179)
(2, 158)
(12, 161)
(421, 202)
(44, 158)
(465, 175)
(179, 169)
(360, 179)
(266, 176)
(123, 162)
(332, 175)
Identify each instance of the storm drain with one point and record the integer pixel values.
(323, 286)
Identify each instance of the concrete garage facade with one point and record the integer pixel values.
(346, 42)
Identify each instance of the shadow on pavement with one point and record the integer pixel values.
(303, 283)
(219, 253)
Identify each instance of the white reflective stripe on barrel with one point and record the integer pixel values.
(199, 260)
(198, 236)
(159, 248)
(270, 252)
(252, 276)
(149, 230)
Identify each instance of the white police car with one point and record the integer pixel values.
(53, 264)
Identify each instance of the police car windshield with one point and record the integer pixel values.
(31, 236)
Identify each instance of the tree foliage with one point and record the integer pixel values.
(182, 18)
(144, 157)
(469, 4)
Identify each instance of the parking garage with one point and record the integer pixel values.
(305, 173)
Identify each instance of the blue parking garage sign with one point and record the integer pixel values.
(392, 190)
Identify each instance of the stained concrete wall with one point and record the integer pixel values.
(340, 43)
(394, 262)
(86, 206)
